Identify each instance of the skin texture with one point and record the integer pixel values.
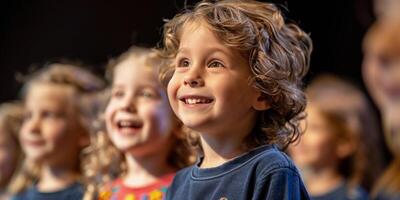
(138, 99)
(52, 136)
(210, 92)
(139, 122)
(50, 126)
(317, 147)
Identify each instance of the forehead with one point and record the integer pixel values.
(195, 26)
(198, 35)
(49, 95)
(135, 69)
(384, 38)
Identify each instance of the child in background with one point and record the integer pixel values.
(11, 115)
(144, 145)
(235, 75)
(381, 73)
(335, 153)
(54, 131)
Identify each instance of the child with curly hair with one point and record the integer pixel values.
(235, 77)
(144, 144)
(54, 132)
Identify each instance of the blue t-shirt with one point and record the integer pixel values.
(263, 173)
(74, 191)
(343, 192)
(384, 196)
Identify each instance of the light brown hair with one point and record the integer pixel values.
(351, 118)
(277, 52)
(104, 161)
(83, 82)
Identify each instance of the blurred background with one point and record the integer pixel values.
(92, 31)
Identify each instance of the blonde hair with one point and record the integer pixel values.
(382, 40)
(351, 118)
(11, 117)
(104, 161)
(84, 83)
(278, 54)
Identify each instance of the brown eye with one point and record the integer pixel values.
(215, 64)
(183, 63)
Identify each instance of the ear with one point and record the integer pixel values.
(260, 102)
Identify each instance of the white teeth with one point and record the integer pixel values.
(125, 124)
(191, 101)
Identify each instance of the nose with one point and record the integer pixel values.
(33, 125)
(128, 104)
(193, 78)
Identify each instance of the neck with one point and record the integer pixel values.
(220, 148)
(56, 178)
(321, 181)
(145, 170)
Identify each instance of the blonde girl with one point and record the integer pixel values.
(54, 131)
(144, 145)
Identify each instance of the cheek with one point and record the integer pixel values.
(172, 90)
(371, 75)
(23, 133)
(57, 132)
(173, 86)
(108, 113)
(317, 141)
(157, 115)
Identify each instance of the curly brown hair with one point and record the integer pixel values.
(278, 54)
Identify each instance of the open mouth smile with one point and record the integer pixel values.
(193, 100)
(127, 127)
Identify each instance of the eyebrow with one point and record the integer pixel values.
(210, 50)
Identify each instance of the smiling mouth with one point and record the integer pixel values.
(34, 142)
(196, 100)
(128, 124)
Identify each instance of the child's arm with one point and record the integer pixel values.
(281, 183)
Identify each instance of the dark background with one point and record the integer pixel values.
(92, 31)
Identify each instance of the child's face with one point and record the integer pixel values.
(138, 116)
(317, 146)
(8, 156)
(382, 77)
(209, 90)
(50, 132)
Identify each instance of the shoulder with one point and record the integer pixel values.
(358, 193)
(75, 191)
(182, 175)
(272, 160)
(26, 194)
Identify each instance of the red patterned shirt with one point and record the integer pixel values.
(118, 191)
